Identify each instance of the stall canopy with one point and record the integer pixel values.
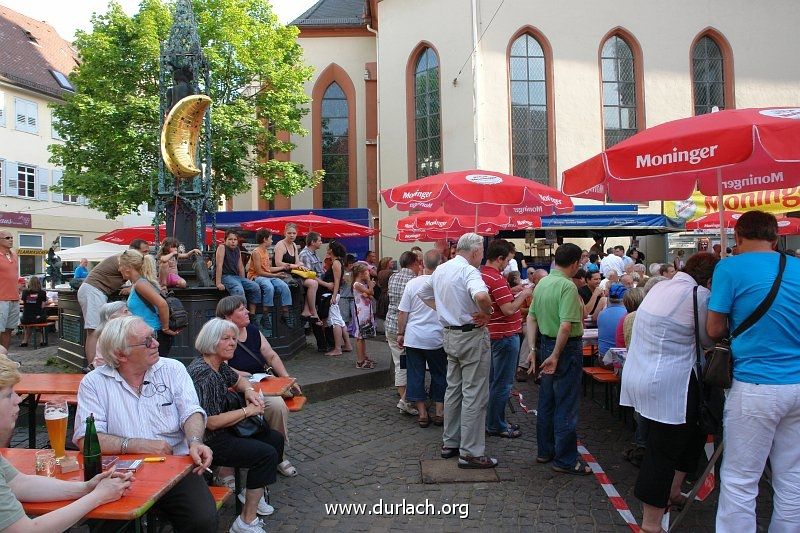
(96, 251)
(608, 221)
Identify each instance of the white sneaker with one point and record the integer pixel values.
(240, 526)
(407, 408)
(264, 509)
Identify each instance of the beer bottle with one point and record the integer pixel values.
(92, 457)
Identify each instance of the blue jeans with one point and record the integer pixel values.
(268, 288)
(505, 354)
(558, 404)
(239, 286)
(415, 365)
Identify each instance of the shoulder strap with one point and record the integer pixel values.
(259, 360)
(697, 346)
(762, 308)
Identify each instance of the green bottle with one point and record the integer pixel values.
(92, 457)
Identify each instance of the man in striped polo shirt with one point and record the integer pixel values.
(504, 325)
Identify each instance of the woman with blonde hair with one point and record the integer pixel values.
(145, 300)
(287, 256)
(16, 487)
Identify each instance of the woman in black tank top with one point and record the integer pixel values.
(286, 255)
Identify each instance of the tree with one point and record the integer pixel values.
(111, 122)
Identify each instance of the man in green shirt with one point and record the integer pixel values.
(557, 312)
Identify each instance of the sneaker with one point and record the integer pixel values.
(407, 408)
(264, 509)
(240, 526)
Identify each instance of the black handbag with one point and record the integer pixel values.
(251, 425)
(718, 371)
(324, 305)
(711, 398)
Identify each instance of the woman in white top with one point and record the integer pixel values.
(659, 382)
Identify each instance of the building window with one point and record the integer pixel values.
(27, 115)
(427, 115)
(30, 263)
(529, 121)
(66, 242)
(26, 181)
(708, 76)
(2, 110)
(618, 67)
(54, 125)
(335, 153)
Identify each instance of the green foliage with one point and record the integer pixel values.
(111, 122)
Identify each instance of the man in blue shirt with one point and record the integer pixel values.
(762, 410)
(81, 272)
(608, 319)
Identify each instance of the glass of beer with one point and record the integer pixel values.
(55, 420)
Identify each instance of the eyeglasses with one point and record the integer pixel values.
(151, 389)
(7, 238)
(148, 342)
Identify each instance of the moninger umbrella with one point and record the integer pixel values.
(786, 226)
(478, 193)
(325, 226)
(126, 235)
(441, 221)
(732, 151)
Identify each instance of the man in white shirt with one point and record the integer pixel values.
(613, 261)
(145, 404)
(461, 299)
(422, 336)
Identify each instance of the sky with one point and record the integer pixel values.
(66, 17)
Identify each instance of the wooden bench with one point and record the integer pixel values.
(609, 381)
(295, 403)
(36, 327)
(155, 520)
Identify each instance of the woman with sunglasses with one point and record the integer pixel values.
(260, 453)
(145, 300)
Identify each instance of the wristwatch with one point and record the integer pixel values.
(195, 438)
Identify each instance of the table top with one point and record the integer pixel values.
(274, 386)
(152, 481)
(589, 334)
(48, 384)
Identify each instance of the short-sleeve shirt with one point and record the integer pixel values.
(80, 272)
(211, 386)
(453, 286)
(769, 351)
(607, 322)
(423, 330)
(106, 276)
(500, 325)
(10, 508)
(32, 302)
(556, 300)
(397, 284)
(159, 412)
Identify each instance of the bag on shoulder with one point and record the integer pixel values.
(178, 317)
(711, 398)
(324, 305)
(252, 425)
(366, 329)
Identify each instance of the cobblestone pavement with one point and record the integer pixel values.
(359, 449)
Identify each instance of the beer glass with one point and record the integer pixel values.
(55, 420)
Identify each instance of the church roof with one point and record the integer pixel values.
(336, 13)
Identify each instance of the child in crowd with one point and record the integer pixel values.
(363, 287)
(168, 257)
(108, 312)
(34, 299)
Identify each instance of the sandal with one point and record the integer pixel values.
(366, 364)
(581, 468)
(424, 422)
(543, 460)
(286, 469)
(510, 433)
(438, 420)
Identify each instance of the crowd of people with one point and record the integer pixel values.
(475, 317)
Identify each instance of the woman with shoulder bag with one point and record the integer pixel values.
(260, 452)
(335, 275)
(254, 355)
(145, 300)
(287, 257)
(660, 383)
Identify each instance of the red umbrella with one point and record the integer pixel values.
(126, 235)
(478, 193)
(786, 226)
(441, 221)
(732, 151)
(325, 226)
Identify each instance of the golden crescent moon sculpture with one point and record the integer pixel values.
(181, 133)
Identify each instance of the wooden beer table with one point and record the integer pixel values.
(152, 481)
(34, 385)
(274, 386)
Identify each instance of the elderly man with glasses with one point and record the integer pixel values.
(9, 297)
(146, 404)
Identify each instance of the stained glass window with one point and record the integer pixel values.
(335, 154)
(619, 91)
(529, 150)
(427, 115)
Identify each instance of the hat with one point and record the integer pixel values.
(617, 291)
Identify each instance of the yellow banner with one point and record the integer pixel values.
(776, 202)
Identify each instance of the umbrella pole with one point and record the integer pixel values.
(723, 237)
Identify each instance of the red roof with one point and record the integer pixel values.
(29, 50)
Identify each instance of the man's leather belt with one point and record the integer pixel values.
(465, 327)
